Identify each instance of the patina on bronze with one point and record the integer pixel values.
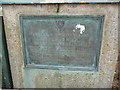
(68, 42)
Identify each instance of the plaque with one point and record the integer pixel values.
(66, 42)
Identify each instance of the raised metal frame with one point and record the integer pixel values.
(27, 61)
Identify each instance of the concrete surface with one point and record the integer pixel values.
(55, 1)
(119, 27)
(38, 78)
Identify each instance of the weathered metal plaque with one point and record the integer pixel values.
(62, 41)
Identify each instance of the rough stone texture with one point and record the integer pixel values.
(119, 42)
(38, 78)
(55, 1)
(119, 27)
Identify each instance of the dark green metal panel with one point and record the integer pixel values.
(67, 42)
(0, 52)
(6, 73)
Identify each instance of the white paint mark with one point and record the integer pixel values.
(73, 30)
(81, 27)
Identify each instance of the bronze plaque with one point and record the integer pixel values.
(68, 42)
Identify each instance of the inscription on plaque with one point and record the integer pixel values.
(62, 41)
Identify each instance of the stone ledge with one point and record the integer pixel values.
(55, 1)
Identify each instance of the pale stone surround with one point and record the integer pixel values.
(38, 78)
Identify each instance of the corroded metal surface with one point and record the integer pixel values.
(62, 41)
(56, 1)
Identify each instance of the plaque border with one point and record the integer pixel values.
(27, 63)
